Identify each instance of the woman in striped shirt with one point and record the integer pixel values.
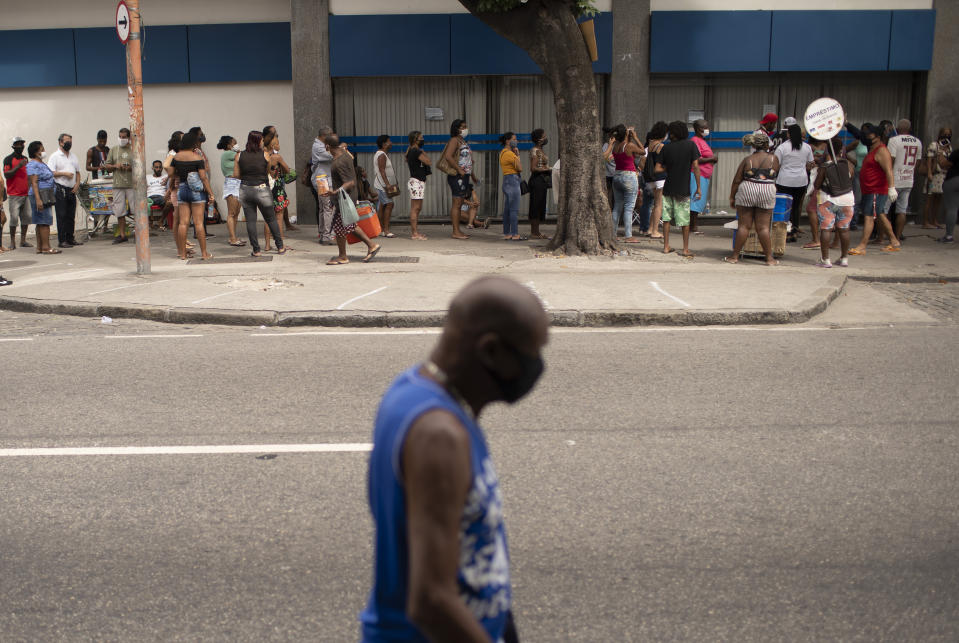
(753, 194)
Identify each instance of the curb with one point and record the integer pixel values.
(807, 309)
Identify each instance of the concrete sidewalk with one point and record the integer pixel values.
(410, 283)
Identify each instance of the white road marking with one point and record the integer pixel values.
(16, 339)
(417, 331)
(52, 277)
(147, 336)
(222, 294)
(60, 263)
(676, 299)
(692, 329)
(149, 283)
(350, 301)
(190, 450)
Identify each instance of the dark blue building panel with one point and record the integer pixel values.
(213, 59)
(830, 41)
(910, 44)
(397, 45)
(709, 41)
(25, 64)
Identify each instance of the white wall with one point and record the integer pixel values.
(54, 14)
(219, 108)
(58, 14)
(452, 6)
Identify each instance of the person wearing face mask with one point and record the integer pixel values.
(66, 173)
(231, 186)
(42, 196)
(384, 182)
(540, 181)
(419, 164)
(935, 176)
(512, 170)
(120, 162)
(18, 203)
(906, 151)
(950, 193)
(156, 189)
(459, 156)
(707, 163)
(343, 180)
(877, 185)
(442, 565)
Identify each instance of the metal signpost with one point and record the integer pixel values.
(128, 30)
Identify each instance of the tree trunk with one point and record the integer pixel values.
(547, 30)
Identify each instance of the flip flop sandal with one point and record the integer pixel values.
(810, 246)
(728, 260)
(337, 262)
(891, 248)
(857, 252)
(687, 255)
(371, 254)
(238, 244)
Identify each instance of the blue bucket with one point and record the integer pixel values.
(784, 204)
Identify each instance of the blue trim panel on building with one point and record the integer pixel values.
(101, 57)
(910, 44)
(813, 41)
(394, 45)
(724, 41)
(166, 57)
(24, 64)
(238, 52)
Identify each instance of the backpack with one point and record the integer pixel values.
(837, 180)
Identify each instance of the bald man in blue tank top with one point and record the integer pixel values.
(441, 570)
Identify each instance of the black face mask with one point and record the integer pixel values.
(543, 142)
(531, 369)
(67, 146)
(202, 138)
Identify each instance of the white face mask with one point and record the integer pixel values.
(237, 148)
(124, 142)
(706, 132)
(464, 132)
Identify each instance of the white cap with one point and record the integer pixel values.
(790, 121)
(18, 139)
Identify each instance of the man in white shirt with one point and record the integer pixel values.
(66, 174)
(906, 150)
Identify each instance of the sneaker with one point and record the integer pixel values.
(824, 263)
(843, 262)
(4, 281)
(946, 239)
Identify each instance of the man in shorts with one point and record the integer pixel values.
(677, 159)
(18, 204)
(120, 162)
(906, 150)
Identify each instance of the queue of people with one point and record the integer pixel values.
(667, 181)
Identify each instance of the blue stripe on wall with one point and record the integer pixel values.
(810, 41)
(37, 58)
(910, 45)
(709, 41)
(240, 52)
(101, 57)
(390, 45)
(165, 55)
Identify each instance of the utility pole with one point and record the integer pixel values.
(128, 23)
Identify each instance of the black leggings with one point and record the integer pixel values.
(797, 194)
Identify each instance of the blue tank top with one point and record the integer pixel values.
(483, 576)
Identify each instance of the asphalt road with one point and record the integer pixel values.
(773, 484)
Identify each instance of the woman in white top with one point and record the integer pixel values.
(384, 182)
(795, 160)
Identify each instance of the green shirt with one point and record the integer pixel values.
(226, 163)
(120, 156)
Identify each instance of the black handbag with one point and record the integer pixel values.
(49, 197)
(523, 188)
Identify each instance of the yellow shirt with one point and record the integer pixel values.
(509, 162)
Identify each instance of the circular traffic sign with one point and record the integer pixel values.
(824, 118)
(123, 22)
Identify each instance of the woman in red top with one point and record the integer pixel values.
(876, 183)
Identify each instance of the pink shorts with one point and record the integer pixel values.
(831, 214)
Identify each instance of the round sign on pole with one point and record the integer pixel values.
(123, 22)
(824, 118)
